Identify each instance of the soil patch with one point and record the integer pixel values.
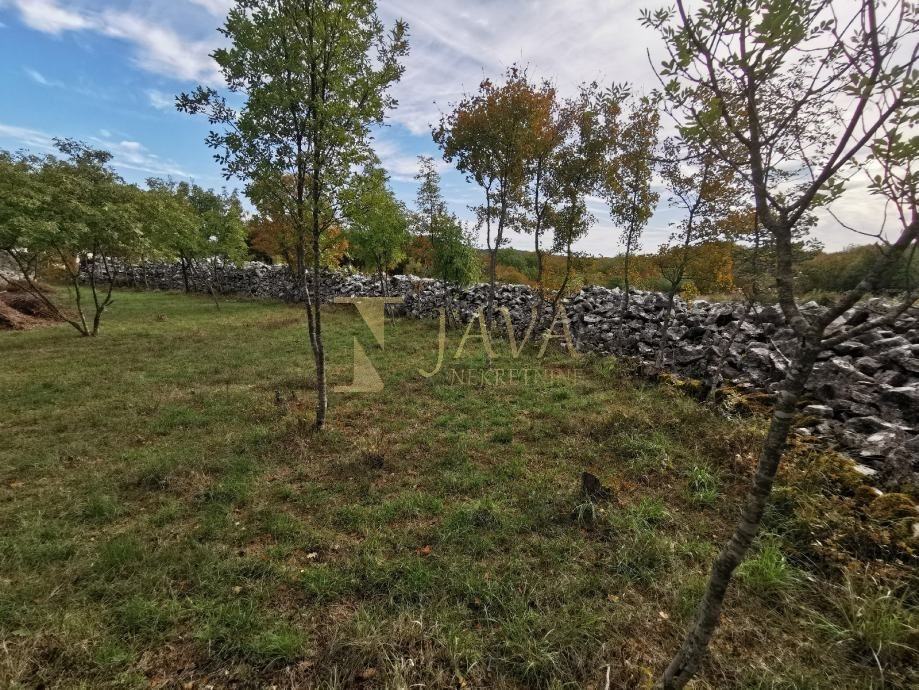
(21, 311)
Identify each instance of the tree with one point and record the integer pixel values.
(841, 271)
(429, 201)
(807, 94)
(450, 251)
(171, 225)
(272, 237)
(547, 133)
(590, 123)
(271, 231)
(74, 213)
(21, 197)
(221, 223)
(315, 75)
(455, 259)
(195, 225)
(488, 137)
(705, 190)
(378, 224)
(222, 231)
(628, 185)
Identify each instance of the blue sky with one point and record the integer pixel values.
(107, 71)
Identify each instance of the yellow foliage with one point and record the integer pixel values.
(509, 274)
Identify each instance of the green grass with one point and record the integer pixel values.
(164, 518)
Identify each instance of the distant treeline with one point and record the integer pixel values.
(714, 268)
(841, 271)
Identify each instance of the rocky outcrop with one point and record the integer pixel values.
(863, 396)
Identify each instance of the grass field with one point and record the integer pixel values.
(169, 518)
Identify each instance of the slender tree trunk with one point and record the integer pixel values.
(97, 320)
(95, 294)
(448, 308)
(185, 274)
(381, 276)
(432, 224)
(540, 285)
(210, 288)
(564, 286)
(685, 664)
(537, 231)
(675, 284)
(215, 275)
(101, 305)
(488, 231)
(492, 269)
(211, 278)
(78, 299)
(322, 392)
(628, 255)
(540, 270)
(662, 337)
(82, 326)
(493, 264)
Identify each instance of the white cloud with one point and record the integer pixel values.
(127, 154)
(23, 137)
(161, 100)
(454, 45)
(40, 78)
(132, 155)
(159, 48)
(218, 8)
(401, 165)
(47, 16)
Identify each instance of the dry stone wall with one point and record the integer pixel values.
(863, 396)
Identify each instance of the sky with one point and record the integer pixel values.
(107, 72)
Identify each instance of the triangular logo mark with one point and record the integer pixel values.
(366, 377)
